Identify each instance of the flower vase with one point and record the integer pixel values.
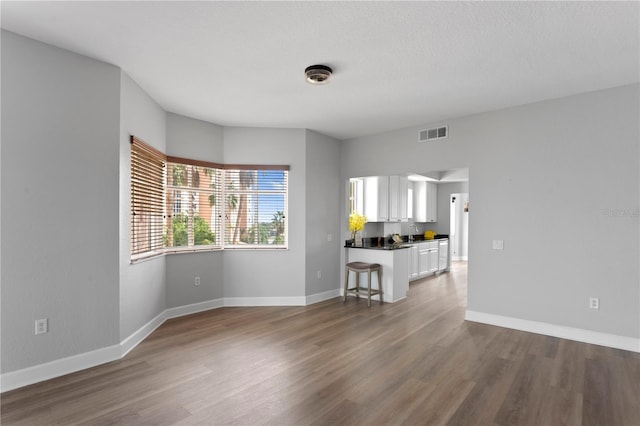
(357, 238)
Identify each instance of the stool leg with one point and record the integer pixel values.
(346, 283)
(357, 284)
(380, 284)
(369, 274)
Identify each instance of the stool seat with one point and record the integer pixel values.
(358, 268)
(362, 266)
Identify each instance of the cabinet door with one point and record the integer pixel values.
(433, 260)
(403, 189)
(376, 198)
(432, 202)
(398, 187)
(419, 202)
(413, 262)
(423, 260)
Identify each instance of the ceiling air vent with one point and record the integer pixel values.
(433, 134)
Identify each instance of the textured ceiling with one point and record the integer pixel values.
(396, 64)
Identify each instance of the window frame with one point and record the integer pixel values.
(193, 203)
(257, 192)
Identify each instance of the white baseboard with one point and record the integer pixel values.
(60, 367)
(321, 297)
(194, 308)
(570, 333)
(142, 333)
(264, 301)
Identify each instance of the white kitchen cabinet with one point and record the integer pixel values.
(425, 202)
(423, 261)
(413, 262)
(376, 198)
(428, 258)
(398, 190)
(433, 258)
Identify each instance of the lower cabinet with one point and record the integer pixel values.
(428, 258)
(413, 262)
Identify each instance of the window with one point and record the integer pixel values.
(179, 204)
(256, 206)
(147, 199)
(356, 189)
(192, 195)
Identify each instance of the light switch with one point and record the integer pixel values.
(498, 244)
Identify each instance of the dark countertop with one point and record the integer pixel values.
(380, 244)
(387, 247)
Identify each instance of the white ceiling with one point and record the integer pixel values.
(397, 64)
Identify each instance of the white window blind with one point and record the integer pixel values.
(147, 199)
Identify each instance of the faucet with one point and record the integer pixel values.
(415, 227)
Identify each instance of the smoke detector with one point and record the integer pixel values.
(318, 74)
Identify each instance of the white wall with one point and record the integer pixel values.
(443, 225)
(269, 273)
(142, 285)
(573, 163)
(194, 139)
(322, 214)
(59, 202)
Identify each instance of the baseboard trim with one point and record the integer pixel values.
(142, 333)
(321, 297)
(570, 333)
(194, 308)
(264, 301)
(41, 372)
(60, 367)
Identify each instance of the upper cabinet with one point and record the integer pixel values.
(379, 198)
(425, 202)
(398, 190)
(376, 198)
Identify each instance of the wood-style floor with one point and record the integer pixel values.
(412, 362)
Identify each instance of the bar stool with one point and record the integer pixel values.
(358, 268)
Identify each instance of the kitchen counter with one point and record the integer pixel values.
(387, 247)
(375, 244)
(395, 269)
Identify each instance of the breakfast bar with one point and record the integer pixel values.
(394, 261)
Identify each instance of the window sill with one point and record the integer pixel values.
(186, 250)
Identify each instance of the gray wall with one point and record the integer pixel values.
(322, 213)
(272, 273)
(142, 285)
(443, 225)
(195, 139)
(59, 202)
(558, 181)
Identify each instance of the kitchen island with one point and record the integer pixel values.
(395, 269)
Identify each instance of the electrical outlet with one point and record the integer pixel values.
(594, 303)
(498, 244)
(42, 326)
(197, 281)
(319, 274)
(329, 237)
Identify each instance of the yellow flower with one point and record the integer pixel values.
(357, 222)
